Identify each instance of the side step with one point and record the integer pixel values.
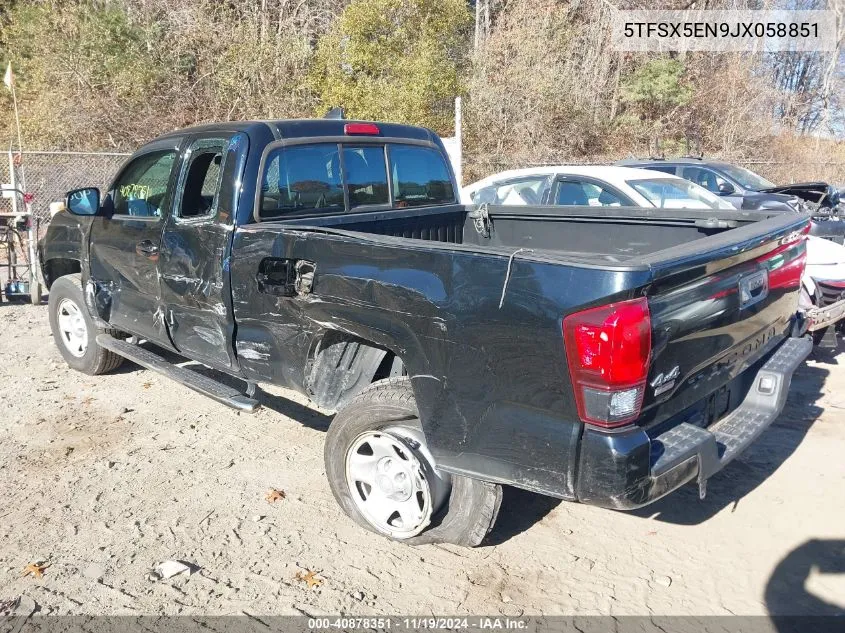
(203, 384)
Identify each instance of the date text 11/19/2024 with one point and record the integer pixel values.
(415, 623)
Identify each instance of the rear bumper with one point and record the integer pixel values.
(630, 469)
(825, 316)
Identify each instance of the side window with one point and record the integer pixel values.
(141, 190)
(200, 178)
(521, 192)
(703, 177)
(582, 193)
(365, 174)
(420, 176)
(301, 178)
(666, 169)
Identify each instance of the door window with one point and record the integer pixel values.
(200, 179)
(666, 169)
(582, 193)
(141, 190)
(706, 178)
(527, 191)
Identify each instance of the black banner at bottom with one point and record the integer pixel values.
(473, 624)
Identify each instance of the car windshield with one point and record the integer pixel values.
(747, 178)
(676, 193)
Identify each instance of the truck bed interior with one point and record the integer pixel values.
(609, 233)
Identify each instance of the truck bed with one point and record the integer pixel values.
(587, 234)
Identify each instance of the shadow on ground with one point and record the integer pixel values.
(786, 592)
(519, 511)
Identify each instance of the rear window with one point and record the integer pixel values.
(676, 193)
(311, 178)
(366, 175)
(302, 178)
(420, 176)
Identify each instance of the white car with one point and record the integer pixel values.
(823, 299)
(594, 186)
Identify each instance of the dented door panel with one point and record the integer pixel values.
(194, 259)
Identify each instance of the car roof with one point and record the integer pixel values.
(681, 160)
(300, 128)
(612, 174)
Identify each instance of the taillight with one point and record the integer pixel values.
(608, 350)
(369, 129)
(786, 263)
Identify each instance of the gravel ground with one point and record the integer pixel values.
(106, 477)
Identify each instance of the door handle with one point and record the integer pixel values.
(146, 248)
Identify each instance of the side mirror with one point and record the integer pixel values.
(84, 201)
(485, 195)
(726, 189)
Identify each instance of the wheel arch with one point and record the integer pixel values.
(341, 365)
(56, 267)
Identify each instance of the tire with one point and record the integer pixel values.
(470, 508)
(90, 358)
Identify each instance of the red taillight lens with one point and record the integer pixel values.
(369, 129)
(786, 263)
(608, 350)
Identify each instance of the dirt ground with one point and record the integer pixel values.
(106, 477)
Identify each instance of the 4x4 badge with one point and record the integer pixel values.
(664, 382)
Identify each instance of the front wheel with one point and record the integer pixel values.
(383, 475)
(74, 331)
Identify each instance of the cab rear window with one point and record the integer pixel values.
(420, 176)
(325, 178)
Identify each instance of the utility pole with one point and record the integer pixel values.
(482, 22)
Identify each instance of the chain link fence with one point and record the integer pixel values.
(47, 176)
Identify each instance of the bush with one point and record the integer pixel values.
(395, 60)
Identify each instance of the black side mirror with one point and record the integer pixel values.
(726, 188)
(84, 201)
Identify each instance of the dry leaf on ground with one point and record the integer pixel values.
(35, 569)
(275, 495)
(309, 578)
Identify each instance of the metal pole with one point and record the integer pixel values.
(12, 180)
(32, 237)
(459, 167)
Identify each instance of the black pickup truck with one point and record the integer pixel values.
(600, 355)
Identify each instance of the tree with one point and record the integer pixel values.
(657, 87)
(395, 60)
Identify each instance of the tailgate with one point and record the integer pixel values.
(717, 308)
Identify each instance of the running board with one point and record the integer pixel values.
(214, 389)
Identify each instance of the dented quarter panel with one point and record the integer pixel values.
(436, 308)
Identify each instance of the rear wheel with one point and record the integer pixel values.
(75, 332)
(383, 476)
